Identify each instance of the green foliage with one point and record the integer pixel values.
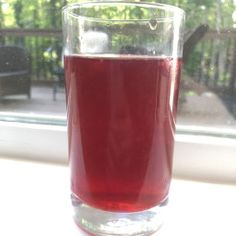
(18, 6)
(31, 14)
(47, 14)
(194, 62)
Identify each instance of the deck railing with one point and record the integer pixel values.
(213, 62)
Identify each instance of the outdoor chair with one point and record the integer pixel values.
(14, 71)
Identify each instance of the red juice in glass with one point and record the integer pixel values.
(121, 124)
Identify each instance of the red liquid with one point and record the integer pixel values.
(121, 123)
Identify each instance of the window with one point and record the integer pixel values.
(32, 104)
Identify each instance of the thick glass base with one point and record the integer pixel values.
(104, 223)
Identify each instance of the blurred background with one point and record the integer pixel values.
(208, 87)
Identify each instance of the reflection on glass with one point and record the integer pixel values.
(31, 74)
(208, 96)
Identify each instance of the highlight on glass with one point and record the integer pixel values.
(122, 66)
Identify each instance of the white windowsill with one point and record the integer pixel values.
(198, 157)
(34, 200)
(34, 197)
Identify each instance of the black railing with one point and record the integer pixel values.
(213, 62)
(44, 47)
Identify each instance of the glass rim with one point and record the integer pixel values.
(68, 9)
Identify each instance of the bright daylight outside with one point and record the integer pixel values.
(33, 121)
(34, 90)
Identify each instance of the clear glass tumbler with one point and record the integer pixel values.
(122, 66)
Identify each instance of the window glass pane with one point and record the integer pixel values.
(32, 90)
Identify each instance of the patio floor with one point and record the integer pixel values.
(206, 109)
(41, 102)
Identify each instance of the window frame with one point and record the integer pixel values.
(205, 156)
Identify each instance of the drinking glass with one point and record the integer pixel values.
(122, 67)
